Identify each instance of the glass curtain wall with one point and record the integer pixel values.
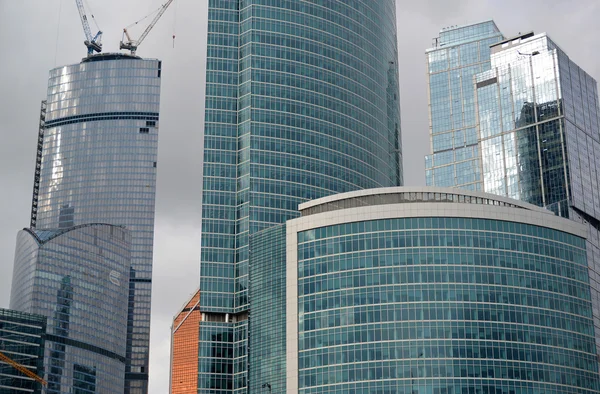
(459, 53)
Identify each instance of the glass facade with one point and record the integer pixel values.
(302, 102)
(78, 279)
(540, 136)
(459, 53)
(432, 295)
(266, 361)
(21, 340)
(184, 348)
(521, 125)
(97, 158)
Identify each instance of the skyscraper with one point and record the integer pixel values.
(302, 102)
(96, 163)
(77, 278)
(458, 54)
(184, 348)
(536, 136)
(421, 290)
(540, 135)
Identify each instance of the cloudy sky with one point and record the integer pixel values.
(37, 35)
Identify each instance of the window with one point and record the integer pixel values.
(144, 130)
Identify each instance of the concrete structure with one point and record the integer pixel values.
(77, 278)
(96, 163)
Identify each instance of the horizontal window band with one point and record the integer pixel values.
(85, 346)
(488, 82)
(153, 116)
(136, 376)
(140, 280)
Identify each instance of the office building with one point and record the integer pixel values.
(536, 131)
(22, 341)
(421, 290)
(540, 135)
(302, 102)
(184, 348)
(457, 55)
(96, 163)
(77, 278)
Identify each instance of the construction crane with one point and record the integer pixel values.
(132, 45)
(22, 369)
(91, 42)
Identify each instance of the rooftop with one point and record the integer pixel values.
(44, 235)
(454, 35)
(398, 195)
(108, 56)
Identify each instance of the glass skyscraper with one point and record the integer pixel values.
(540, 135)
(459, 53)
(302, 102)
(77, 278)
(421, 290)
(96, 163)
(537, 135)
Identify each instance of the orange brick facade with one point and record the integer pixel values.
(184, 348)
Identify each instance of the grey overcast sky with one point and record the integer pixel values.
(37, 35)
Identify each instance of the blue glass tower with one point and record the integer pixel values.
(536, 135)
(77, 278)
(302, 102)
(96, 163)
(540, 136)
(458, 54)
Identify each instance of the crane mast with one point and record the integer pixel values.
(91, 42)
(132, 45)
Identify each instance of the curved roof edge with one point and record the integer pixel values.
(52, 233)
(108, 56)
(418, 189)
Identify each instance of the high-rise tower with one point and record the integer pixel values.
(536, 135)
(77, 278)
(539, 132)
(302, 102)
(96, 163)
(458, 54)
(184, 348)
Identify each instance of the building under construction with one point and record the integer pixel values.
(21, 352)
(95, 177)
(96, 163)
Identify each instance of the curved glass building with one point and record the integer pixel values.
(78, 279)
(96, 162)
(422, 290)
(302, 102)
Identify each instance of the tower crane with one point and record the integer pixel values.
(22, 369)
(132, 45)
(91, 42)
